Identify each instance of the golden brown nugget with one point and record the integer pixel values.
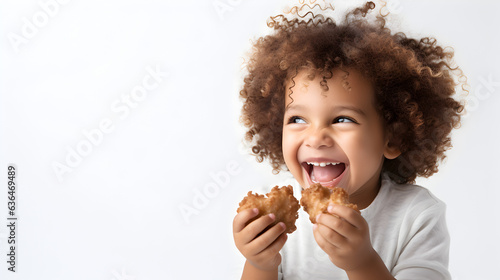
(316, 199)
(279, 201)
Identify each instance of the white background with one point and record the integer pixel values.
(117, 213)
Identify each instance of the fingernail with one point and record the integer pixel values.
(282, 225)
(317, 217)
(256, 210)
(272, 216)
(330, 208)
(315, 226)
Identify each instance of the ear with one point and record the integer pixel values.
(391, 149)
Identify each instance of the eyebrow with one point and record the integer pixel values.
(337, 108)
(294, 107)
(352, 108)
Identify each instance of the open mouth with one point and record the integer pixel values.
(325, 173)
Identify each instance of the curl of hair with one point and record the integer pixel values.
(413, 79)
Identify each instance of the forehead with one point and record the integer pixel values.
(344, 86)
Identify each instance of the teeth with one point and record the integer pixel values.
(322, 164)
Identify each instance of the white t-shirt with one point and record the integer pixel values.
(407, 229)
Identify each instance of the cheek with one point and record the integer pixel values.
(373, 150)
(365, 147)
(290, 148)
(287, 147)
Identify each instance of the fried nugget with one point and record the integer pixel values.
(279, 201)
(316, 199)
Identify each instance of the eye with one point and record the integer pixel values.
(344, 119)
(296, 119)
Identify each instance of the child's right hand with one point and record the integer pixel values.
(262, 252)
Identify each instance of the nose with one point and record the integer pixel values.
(319, 138)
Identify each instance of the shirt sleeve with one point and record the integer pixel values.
(425, 244)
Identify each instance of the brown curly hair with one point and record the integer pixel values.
(413, 79)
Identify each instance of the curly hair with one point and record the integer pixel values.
(413, 79)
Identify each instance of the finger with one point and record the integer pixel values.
(274, 248)
(322, 242)
(267, 238)
(337, 224)
(330, 235)
(348, 214)
(241, 219)
(256, 227)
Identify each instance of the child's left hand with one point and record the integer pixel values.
(344, 235)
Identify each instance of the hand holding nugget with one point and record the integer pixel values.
(279, 201)
(260, 227)
(344, 235)
(341, 232)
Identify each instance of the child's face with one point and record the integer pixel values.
(338, 130)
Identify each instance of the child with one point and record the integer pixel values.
(355, 106)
